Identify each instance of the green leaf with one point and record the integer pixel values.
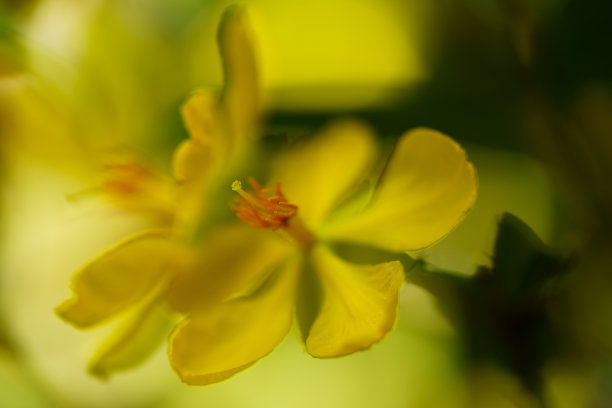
(521, 261)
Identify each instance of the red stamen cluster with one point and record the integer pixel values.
(263, 207)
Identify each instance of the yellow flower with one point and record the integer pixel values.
(128, 183)
(240, 291)
(238, 286)
(133, 277)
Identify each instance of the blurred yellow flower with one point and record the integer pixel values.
(240, 291)
(237, 286)
(130, 184)
(134, 275)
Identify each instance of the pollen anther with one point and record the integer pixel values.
(263, 207)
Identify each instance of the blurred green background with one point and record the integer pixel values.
(524, 86)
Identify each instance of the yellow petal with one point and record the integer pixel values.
(191, 162)
(208, 144)
(193, 166)
(197, 160)
(427, 189)
(234, 259)
(213, 345)
(321, 171)
(134, 341)
(240, 99)
(200, 117)
(119, 278)
(359, 304)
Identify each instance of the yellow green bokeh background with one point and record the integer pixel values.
(80, 80)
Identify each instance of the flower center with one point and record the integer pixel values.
(269, 209)
(263, 207)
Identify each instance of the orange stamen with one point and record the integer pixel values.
(262, 207)
(125, 178)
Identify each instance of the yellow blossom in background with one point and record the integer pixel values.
(240, 292)
(135, 273)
